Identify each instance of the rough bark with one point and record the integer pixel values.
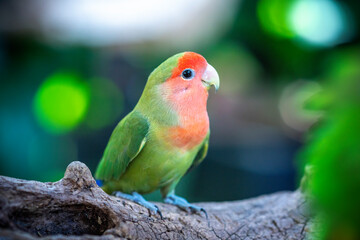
(76, 208)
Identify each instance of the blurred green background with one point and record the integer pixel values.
(70, 70)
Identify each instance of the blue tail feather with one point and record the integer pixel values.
(99, 182)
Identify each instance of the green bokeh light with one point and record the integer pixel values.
(273, 16)
(61, 102)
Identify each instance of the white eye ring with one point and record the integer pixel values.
(188, 74)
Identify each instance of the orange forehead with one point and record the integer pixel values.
(190, 60)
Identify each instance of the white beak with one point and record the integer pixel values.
(210, 77)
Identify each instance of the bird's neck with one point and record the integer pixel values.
(193, 121)
(183, 117)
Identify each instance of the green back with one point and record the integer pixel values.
(126, 141)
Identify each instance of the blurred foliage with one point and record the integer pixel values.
(333, 150)
(273, 15)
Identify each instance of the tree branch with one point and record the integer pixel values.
(76, 208)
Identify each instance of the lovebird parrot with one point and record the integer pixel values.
(164, 136)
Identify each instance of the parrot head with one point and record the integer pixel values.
(193, 71)
(184, 79)
(177, 90)
(185, 71)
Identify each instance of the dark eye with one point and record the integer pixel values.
(188, 74)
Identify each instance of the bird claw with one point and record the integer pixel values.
(196, 209)
(183, 204)
(154, 210)
(157, 211)
(137, 198)
(204, 211)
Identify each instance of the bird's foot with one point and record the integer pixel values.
(136, 197)
(183, 204)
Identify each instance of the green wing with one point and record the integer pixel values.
(126, 141)
(201, 153)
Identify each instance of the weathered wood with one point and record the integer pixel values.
(76, 208)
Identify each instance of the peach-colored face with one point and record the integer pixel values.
(189, 71)
(187, 93)
(185, 87)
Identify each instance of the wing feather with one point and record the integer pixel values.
(126, 142)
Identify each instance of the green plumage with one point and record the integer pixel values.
(126, 141)
(137, 157)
